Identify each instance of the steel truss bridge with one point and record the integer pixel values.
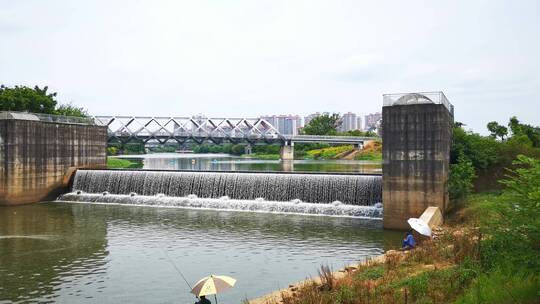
(161, 130)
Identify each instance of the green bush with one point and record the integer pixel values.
(460, 182)
(515, 226)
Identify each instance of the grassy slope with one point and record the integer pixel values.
(447, 270)
(327, 153)
(372, 151)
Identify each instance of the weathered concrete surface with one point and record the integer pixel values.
(35, 156)
(416, 156)
(432, 216)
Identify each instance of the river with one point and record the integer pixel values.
(225, 162)
(106, 253)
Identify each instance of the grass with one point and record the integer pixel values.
(425, 275)
(119, 163)
(450, 269)
(372, 151)
(503, 286)
(263, 156)
(369, 156)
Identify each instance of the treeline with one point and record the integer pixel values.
(36, 100)
(329, 124)
(479, 162)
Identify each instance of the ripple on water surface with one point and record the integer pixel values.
(112, 254)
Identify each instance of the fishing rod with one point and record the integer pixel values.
(177, 270)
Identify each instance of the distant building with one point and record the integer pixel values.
(350, 122)
(371, 121)
(359, 122)
(285, 124)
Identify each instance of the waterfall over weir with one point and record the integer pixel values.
(325, 194)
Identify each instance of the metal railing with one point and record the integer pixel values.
(5, 115)
(417, 98)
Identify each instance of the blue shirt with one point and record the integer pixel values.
(409, 241)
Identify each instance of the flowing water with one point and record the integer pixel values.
(103, 253)
(319, 194)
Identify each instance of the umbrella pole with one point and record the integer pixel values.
(215, 298)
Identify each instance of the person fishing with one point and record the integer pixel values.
(409, 241)
(203, 300)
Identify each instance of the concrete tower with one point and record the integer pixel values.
(417, 134)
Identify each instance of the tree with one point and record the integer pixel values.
(36, 100)
(323, 125)
(497, 130)
(359, 133)
(71, 110)
(21, 98)
(518, 129)
(482, 151)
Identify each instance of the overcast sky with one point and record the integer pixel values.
(247, 58)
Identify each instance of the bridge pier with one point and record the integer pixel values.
(248, 149)
(38, 152)
(287, 151)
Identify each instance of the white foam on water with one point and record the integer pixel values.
(280, 187)
(227, 204)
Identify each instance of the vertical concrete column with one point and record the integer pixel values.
(35, 156)
(248, 149)
(287, 151)
(416, 156)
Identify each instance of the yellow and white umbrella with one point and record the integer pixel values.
(212, 284)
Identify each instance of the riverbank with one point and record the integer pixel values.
(487, 252)
(118, 163)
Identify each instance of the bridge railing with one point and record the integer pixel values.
(49, 118)
(163, 129)
(329, 138)
(417, 98)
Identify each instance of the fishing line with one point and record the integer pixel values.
(177, 270)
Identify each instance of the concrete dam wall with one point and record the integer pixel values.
(36, 155)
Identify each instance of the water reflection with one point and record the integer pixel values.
(224, 162)
(111, 254)
(44, 249)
